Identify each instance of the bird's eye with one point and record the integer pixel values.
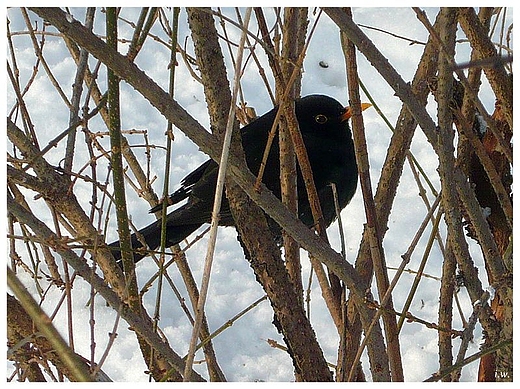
(321, 119)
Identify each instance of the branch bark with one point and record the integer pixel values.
(254, 233)
(139, 323)
(372, 227)
(207, 143)
(388, 183)
(497, 76)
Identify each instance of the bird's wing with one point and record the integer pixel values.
(188, 183)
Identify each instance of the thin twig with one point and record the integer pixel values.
(422, 265)
(77, 368)
(216, 205)
(138, 322)
(39, 53)
(77, 90)
(467, 335)
(373, 227)
(133, 51)
(208, 144)
(504, 148)
(117, 168)
(472, 358)
(231, 321)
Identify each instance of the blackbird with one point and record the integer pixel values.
(328, 141)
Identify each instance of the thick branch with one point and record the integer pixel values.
(208, 144)
(140, 324)
(254, 234)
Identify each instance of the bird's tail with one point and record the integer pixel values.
(152, 236)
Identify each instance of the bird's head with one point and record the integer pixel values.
(320, 112)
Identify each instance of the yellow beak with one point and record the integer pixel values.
(348, 112)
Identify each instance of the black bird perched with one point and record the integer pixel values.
(328, 141)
